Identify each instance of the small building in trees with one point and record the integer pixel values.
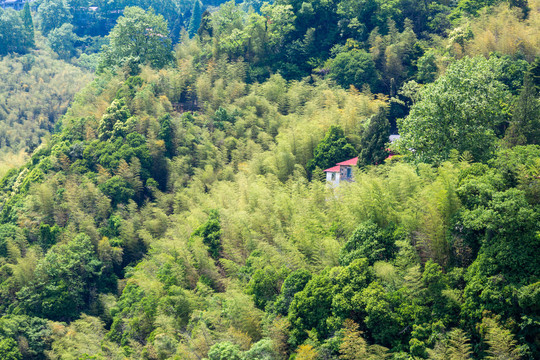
(14, 4)
(341, 172)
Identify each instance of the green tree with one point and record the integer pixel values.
(456, 346)
(62, 41)
(355, 347)
(210, 232)
(349, 282)
(525, 125)
(195, 20)
(167, 134)
(134, 315)
(500, 341)
(141, 36)
(9, 233)
(114, 118)
(85, 340)
(534, 71)
(310, 309)
(459, 346)
(32, 333)
(11, 32)
(374, 140)
(262, 350)
(295, 282)
(118, 190)
(354, 67)
(382, 321)
(65, 282)
(427, 68)
(460, 110)
(9, 349)
(205, 28)
(48, 235)
(508, 225)
(52, 14)
(224, 351)
(264, 285)
(333, 148)
(28, 23)
(368, 241)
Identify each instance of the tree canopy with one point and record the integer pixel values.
(139, 36)
(461, 111)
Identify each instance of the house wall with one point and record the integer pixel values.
(332, 181)
(344, 173)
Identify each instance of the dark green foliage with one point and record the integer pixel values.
(295, 282)
(511, 242)
(167, 134)
(205, 28)
(9, 233)
(382, 321)
(350, 282)
(195, 20)
(130, 87)
(62, 41)
(355, 67)
(534, 71)
(109, 154)
(210, 232)
(436, 283)
(48, 235)
(12, 33)
(374, 139)
(65, 282)
(265, 285)
(53, 14)
(470, 7)
(310, 309)
(427, 68)
(28, 25)
(328, 299)
(368, 241)
(512, 73)
(525, 125)
(34, 334)
(133, 315)
(118, 190)
(529, 300)
(222, 117)
(333, 148)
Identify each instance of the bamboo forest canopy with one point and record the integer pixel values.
(163, 197)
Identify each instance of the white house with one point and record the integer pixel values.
(341, 172)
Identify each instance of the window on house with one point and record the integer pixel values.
(333, 176)
(349, 172)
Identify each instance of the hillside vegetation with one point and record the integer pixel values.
(179, 209)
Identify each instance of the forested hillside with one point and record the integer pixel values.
(177, 207)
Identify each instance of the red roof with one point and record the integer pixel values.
(352, 162)
(332, 169)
